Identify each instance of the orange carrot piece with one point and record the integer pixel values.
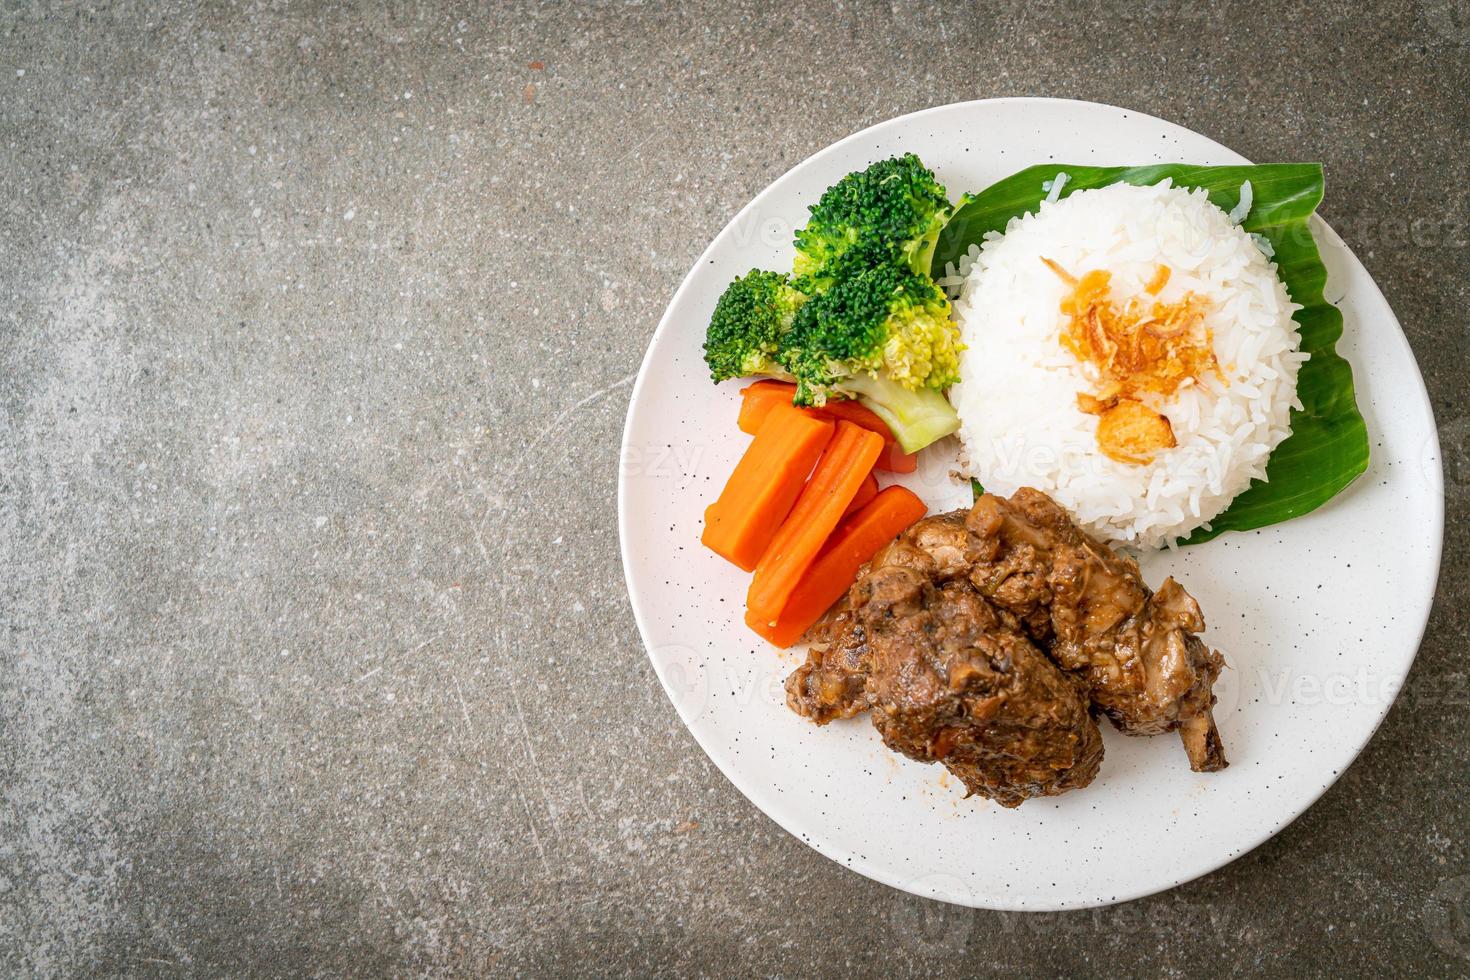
(759, 398)
(895, 460)
(844, 465)
(866, 492)
(857, 539)
(854, 412)
(767, 481)
(770, 384)
(766, 631)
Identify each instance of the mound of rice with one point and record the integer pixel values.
(1017, 397)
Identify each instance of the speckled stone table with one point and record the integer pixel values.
(317, 332)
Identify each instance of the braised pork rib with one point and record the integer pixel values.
(985, 640)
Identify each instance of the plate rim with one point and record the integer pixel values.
(854, 862)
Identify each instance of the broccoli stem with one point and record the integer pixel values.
(921, 259)
(917, 418)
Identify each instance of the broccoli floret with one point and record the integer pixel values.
(883, 336)
(891, 213)
(860, 317)
(750, 319)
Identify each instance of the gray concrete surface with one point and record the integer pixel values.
(315, 344)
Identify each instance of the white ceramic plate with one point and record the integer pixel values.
(1318, 618)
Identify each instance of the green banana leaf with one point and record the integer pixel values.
(1328, 445)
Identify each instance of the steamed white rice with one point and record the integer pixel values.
(1017, 397)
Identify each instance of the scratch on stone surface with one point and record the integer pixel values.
(530, 748)
(556, 423)
(464, 709)
(431, 639)
(524, 733)
(582, 795)
(525, 453)
(367, 675)
(531, 822)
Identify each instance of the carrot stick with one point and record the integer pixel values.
(857, 539)
(843, 467)
(759, 398)
(769, 477)
(865, 494)
(770, 384)
(895, 460)
(854, 412)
